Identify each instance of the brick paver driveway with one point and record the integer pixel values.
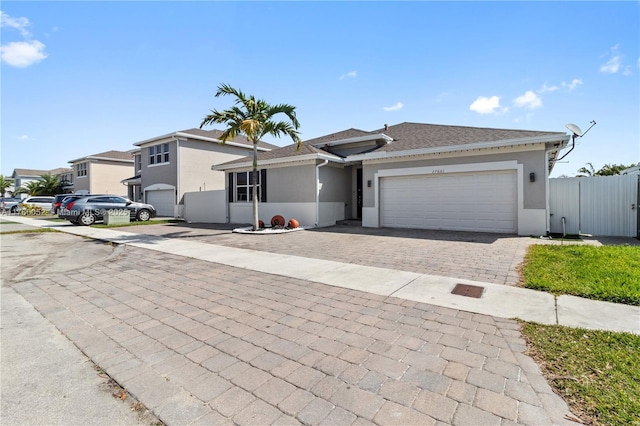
(492, 258)
(203, 343)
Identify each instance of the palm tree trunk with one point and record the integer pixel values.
(255, 186)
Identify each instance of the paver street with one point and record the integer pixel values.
(203, 343)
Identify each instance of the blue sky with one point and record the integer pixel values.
(79, 78)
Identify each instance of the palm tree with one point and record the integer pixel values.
(50, 185)
(253, 118)
(30, 188)
(4, 184)
(586, 171)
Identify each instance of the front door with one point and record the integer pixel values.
(359, 194)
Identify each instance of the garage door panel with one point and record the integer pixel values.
(163, 201)
(484, 201)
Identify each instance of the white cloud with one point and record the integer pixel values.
(22, 54)
(350, 74)
(395, 107)
(615, 63)
(529, 100)
(574, 83)
(612, 66)
(23, 137)
(546, 88)
(19, 24)
(484, 105)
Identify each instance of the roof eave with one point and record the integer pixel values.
(373, 137)
(280, 160)
(230, 143)
(176, 135)
(563, 138)
(92, 157)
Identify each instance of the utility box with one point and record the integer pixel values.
(117, 218)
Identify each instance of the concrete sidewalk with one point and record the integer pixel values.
(496, 300)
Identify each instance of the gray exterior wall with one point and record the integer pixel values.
(164, 173)
(296, 184)
(336, 184)
(532, 161)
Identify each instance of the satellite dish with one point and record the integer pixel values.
(574, 129)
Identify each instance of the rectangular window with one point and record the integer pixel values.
(81, 169)
(138, 162)
(159, 154)
(242, 188)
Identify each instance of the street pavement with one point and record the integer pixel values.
(209, 334)
(45, 379)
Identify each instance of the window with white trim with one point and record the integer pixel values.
(138, 160)
(159, 154)
(241, 186)
(81, 169)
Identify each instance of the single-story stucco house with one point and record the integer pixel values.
(409, 175)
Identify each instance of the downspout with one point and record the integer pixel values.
(318, 191)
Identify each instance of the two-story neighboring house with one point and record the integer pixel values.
(168, 166)
(102, 173)
(21, 177)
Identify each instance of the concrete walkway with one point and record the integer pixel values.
(496, 300)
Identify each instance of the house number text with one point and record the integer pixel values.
(438, 171)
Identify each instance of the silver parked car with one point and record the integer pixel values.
(9, 204)
(89, 209)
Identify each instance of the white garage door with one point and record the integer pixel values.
(481, 201)
(163, 201)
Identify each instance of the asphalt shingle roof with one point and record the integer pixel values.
(407, 136)
(119, 155)
(289, 151)
(28, 172)
(113, 155)
(33, 172)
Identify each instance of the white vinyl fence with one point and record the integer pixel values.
(598, 205)
(205, 206)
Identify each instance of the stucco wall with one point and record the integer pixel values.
(205, 206)
(335, 184)
(295, 184)
(165, 173)
(532, 161)
(196, 159)
(106, 176)
(81, 183)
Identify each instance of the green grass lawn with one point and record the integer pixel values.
(29, 231)
(138, 223)
(596, 372)
(610, 273)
